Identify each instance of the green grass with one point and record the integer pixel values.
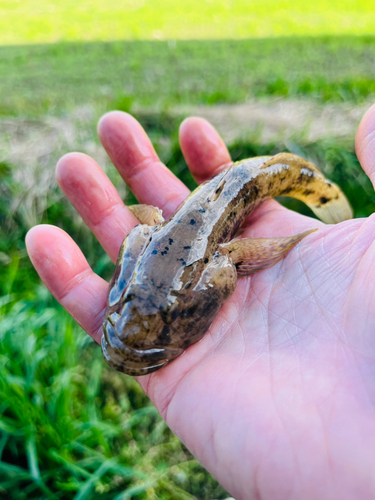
(42, 21)
(71, 428)
(40, 79)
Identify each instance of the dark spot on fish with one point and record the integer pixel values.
(309, 178)
(192, 222)
(307, 192)
(202, 210)
(190, 310)
(226, 231)
(164, 253)
(206, 260)
(164, 335)
(187, 248)
(167, 248)
(287, 190)
(323, 200)
(154, 252)
(170, 314)
(175, 314)
(183, 262)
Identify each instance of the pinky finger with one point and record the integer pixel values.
(66, 273)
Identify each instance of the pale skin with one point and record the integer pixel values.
(277, 400)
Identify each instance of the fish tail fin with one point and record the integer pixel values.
(306, 182)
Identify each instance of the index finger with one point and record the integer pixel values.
(132, 153)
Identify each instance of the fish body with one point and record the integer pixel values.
(172, 278)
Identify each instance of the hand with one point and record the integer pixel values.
(277, 400)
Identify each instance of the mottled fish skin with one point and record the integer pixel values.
(172, 279)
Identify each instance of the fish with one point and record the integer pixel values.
(173, 276)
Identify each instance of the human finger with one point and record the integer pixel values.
(66, 273)
(203, 149)
(96, 199)
(131, 151)
(365, 143)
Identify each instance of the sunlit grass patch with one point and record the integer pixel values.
(45, 21)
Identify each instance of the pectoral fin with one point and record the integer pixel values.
(254, 254)
(147, 214)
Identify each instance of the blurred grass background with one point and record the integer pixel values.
(46, 21)
(70, 427)
(55, 78)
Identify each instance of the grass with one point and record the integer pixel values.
(54, 79)
(71, 428)
(46, 21)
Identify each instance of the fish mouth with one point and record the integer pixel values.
(129, 365)
(133, 361)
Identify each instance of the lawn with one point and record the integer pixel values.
(56, 78)
(70, 427)
(46, 21)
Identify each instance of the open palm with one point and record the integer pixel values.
(277, 400)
